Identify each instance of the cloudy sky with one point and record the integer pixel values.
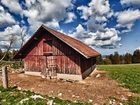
(106, 25)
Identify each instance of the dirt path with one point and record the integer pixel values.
(97, 88)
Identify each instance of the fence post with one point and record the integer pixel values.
(5, 77)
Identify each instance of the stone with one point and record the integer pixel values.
(50, 102)
(60, 94)
(98, 75)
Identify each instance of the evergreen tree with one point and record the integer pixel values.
(136, 56)
(116, 58)
(122, 59)
(128, 58)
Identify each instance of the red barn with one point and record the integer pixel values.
(55, 55)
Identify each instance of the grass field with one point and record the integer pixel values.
(12, 96)
(128, 76)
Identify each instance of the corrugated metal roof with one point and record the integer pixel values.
(77, 45)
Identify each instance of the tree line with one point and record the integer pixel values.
(116, 58)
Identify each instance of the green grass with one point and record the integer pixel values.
(128, 76)
(133, 101)
(12, 96)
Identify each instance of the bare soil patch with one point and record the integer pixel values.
(97, 88)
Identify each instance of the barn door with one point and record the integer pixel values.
(51, 66)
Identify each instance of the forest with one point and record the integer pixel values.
(116, 58)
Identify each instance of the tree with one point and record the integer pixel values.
(99, 60)
(107, 61)
(1, 54)
(136, 56)
(11, 40)
(116, 58)
(22, 37)
(122, 60)
(128, 58)
(111, 57)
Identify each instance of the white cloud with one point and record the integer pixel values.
(107, 38)
(5, 17)
(86, 12)
(79, 32)
(1, 9)
(97, 34)
(13, 5)
(29, 3)
(101, 7)
(93, 25)
(138, 48)
(70, 17)
(130, 2)
(32, 13)
(14, 31)
(46, 12)
(53, 24)
(127, 18)
(96, 13)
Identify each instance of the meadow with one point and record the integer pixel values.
(128, 75)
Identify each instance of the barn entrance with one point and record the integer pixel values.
(51, 67)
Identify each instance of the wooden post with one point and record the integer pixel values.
(5, 77)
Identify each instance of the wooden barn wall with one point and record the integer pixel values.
(35, 61)
(87, 63)
(66, 58)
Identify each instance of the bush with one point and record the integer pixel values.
(12, 64)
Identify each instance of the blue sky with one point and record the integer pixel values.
(106, 25)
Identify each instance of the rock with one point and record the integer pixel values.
(60, 94)
(42, 76)
(129, 94)
(120, 104)
(19, 88)
(50, 102)
(73, 96)
(77, 96)
(90, 100)
(98, 75)
(37, 97)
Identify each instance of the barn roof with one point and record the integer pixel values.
(77, 45)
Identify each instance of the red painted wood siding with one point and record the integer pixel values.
(66, 58)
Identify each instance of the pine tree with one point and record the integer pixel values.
(136, 56)
(128, 58)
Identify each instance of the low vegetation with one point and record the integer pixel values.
(128, 76)
(12, 96)
(12, 64)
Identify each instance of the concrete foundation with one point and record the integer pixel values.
(33, 73)
(69, 76)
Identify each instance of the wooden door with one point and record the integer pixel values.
(51, 66)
